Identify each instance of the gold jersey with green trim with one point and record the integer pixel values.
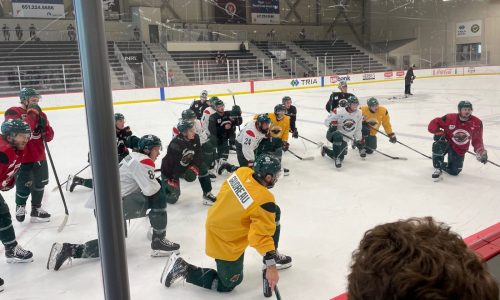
(377, 119)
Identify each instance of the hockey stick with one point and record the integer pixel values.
(319, 144)
(375, 150)
(277, 292)
(300, 157)
(56, 187)
(401, 143)
(495, 164)
(65, 220)
(234, 103)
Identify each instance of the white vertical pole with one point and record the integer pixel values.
(317, 65)
(166, 73)
(272, 69)
(154, 70)
(238, 67)
(199, 75)
(64, 79)
(19, 77)
(228, 75)
(263, 65)
(325, 64)
(295, 66)
(369, 63)
(351, 64)
(442, 55)
(486, 53)
(142, 73)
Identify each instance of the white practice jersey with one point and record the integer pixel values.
(205, 118)
(137, 173)
(249, 138)
(348, 123)
(199, 131)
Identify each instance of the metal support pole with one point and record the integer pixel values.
(101, 127)
(19, 78)
(351, 64)
(291, 71)
(369, 63)
(154, 70)
(64, 79)
(166, 73)
(325, 64)
(272, 69)
(238, 67)
(317, 65)
(228, 74)
(486, 53)
(263, 68)
(142, 73)
(442, 56)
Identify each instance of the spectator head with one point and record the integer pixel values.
(414, 259)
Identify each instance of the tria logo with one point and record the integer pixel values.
(294, 82)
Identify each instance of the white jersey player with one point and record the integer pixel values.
(207, 113)
(190, 116)
(249, 139)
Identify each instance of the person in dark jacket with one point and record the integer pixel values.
(409, 80)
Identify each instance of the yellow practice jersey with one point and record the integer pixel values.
(283, 125)
(243, 215)
(381, 117)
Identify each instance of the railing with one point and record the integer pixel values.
(196, 35)
(57, 35)
(126, 68)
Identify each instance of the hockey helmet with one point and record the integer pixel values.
(147, 142)
(267, 164)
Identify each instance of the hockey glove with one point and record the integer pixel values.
(236, 111)
(392, 138)
(295, 134)
(286, 145)
(172, 184)
(226, 125)
(250, 164)
(191, 173)
(34, 108)
(333, 125)
(42, 122)
(439, 135)
(482, 156)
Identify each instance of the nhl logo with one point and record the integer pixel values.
(451, 127)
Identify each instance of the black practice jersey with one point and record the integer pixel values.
(198, 107)
(181, 154)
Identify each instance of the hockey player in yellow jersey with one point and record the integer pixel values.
(277, 140)
(375, 116)
(245, 214)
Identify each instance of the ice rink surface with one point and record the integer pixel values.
(325, 210)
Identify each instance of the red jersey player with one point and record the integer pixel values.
(453, 133)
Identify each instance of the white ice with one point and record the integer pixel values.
(325, 210)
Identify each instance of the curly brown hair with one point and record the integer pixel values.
(417, 258)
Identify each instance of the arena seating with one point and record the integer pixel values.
(341, 56)
(267, 47)
(40, 65)
(196, 64)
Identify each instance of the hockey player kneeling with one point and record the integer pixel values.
(344, 125)
(140, 191)
(453, 133)
(245, 214)
(184, 160)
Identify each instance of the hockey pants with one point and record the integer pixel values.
(32, 179)
(7, 234)
(339, 146)
(229, 274)
(440, 148)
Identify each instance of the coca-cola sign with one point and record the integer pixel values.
(442, 72)
(388, 75)
(400, 74)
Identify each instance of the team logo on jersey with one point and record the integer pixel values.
(349, 125)
(187, 157)
(460, 137)
(451, 127)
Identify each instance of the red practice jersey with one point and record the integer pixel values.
(10, 161)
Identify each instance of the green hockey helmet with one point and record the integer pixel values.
(285, 99)
(261, 119)
(279, 108)
(372, 102)
(12, 127)
(26, 93)
(212, 101)
(148, 142)
(188, 114)
(184, 125)
(217, 102)
(352, 100)
(267, 164)
(119, 116)
(464, 104)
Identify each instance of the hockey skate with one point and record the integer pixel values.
(212, 176)
(286, 172)
(209, 199)
(72, 182)
(1, 284)
(323, 151)
(17, 254)
(362, 153)
(39, 215)
(338, 162)
(176, 268)
(282, 261)
(437, 174)
(20, 213)
(59, 254)
(223, 166)
(162, 247)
